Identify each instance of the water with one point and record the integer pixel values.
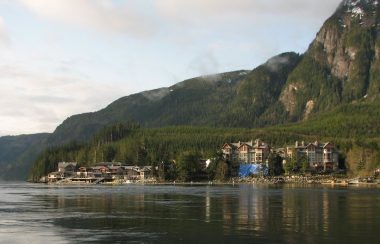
(32, 213)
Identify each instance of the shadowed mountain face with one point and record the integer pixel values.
(17, 154)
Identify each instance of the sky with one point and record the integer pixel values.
(64, 57)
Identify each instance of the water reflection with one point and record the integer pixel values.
(163, 214)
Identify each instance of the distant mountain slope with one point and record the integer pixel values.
(17, 153)
(229, 99)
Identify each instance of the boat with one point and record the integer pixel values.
(353, 181)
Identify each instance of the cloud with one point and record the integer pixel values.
(38, 102)
(264, 27)
(4, 36)
(101, 15)
(222, 8)
(204, 64)
(276, 62)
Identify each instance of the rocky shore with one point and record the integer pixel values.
(293, 179)
(317, 179)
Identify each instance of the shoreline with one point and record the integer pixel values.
(279, 180)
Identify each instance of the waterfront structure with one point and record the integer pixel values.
(252, 152)
(318, 155)
(67, 167)
(102, 172)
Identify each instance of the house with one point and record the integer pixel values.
(99, 171)
(136, 172)
(319, 155)
(67, 166)
(252, 152)
(83, 173)
(67, 169)
(145, 172)
(116, 170)
(55, 176)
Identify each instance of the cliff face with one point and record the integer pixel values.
(341, 64)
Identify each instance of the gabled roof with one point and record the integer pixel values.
(310, 145)
(230, 145)
(252, 144)
(328, 144)
(249, 145)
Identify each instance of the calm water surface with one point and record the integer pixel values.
(31, 213)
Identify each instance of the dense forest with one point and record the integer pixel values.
(353, 128)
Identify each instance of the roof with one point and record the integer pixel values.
(65, 164)
(316, 144)
(108, 164)
(115, 167)
(253, 144)
(99, 167)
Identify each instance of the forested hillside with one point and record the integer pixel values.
(354, 128)
(234, 99)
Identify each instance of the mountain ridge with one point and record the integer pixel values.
(197, 101)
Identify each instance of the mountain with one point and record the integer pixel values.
(342, 64)
(17, 154)
(234, 99)
(339, 75)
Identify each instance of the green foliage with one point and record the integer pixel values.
(361, 41)
(360, 165)
(223, 171)
(304, 164)
(188, 166)
(313, 82)
(260, 90)
(275, 164)
(347, 121)
(167, 171)
(288, 166)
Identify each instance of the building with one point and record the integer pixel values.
(102, 172)
(252, 152)
(319, 155)
(67, 168)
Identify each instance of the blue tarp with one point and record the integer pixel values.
(246, 170)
